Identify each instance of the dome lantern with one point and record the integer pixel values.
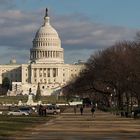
(46, 14)
(46, 18)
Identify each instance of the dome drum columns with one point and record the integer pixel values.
(46, 54)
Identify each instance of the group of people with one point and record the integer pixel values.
(82, 109)
(42, 111)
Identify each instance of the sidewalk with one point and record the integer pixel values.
(104, 126)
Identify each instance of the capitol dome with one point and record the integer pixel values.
(46, 44)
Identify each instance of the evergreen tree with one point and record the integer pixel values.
(6, 83)
(38, 93)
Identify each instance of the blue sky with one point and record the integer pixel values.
(113, 12)
(85, 26)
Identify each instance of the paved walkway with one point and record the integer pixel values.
(69, 126)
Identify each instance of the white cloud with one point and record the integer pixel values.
(78, 33)
(86, 33)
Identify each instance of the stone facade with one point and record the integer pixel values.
(46, 65)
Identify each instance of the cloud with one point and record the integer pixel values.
(17, 29)
(86, 34)
(80, 35)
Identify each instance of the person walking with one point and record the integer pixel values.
(74, 109)
(81, 110)
(39, 110)
(93, 110)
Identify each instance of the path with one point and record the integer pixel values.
(104, 126)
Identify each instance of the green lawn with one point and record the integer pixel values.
(16, 125)
(44, 99)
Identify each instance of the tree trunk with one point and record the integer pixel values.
(120, 102)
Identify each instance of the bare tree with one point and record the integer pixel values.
(114, 71)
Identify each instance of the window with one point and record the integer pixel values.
(44, 74)
(54, 72)
(49, 72)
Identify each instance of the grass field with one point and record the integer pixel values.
(15, 125)
(44, 99)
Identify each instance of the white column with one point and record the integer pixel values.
(32, 75)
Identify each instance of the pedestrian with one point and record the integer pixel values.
(43, 111)
(81, 110)
(93, 110)
(74, 109)
(40, 110)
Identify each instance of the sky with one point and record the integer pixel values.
(84, 26)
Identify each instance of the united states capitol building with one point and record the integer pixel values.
(46, 65)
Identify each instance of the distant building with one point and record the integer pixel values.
(46, 65)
